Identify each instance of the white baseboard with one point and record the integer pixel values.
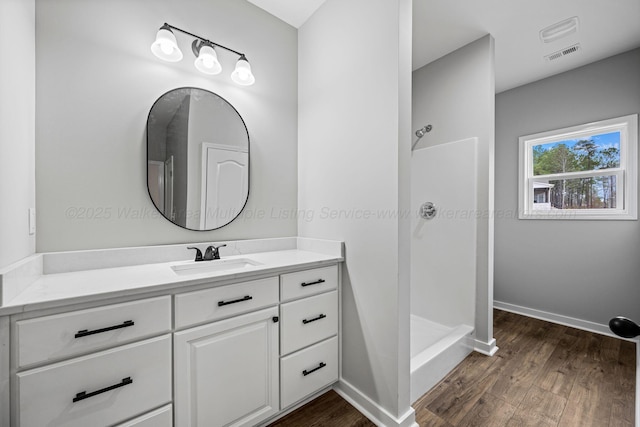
(370, 409)
(584, 325)
(486, 348)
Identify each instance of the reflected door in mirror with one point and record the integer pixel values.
(224, 182)
(197, 159)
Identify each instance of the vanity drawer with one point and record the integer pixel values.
(308, 371)
(120, 383)
(224, 301)
(308, 282)
(162, 417)
(309, 320)
(78, 332)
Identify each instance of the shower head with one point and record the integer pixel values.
(420, 132)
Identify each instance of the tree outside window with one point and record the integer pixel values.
(583, 172)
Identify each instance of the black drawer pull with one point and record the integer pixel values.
(305, 321)
(85, 332)
(245, 298)
(84, 395)
(320, 366)
(303, 284)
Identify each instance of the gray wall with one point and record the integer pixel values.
(17, 122)
(96, 81)
(587, 270)
(354, 148)
(456, 95)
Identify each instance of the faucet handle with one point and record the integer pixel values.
(198, 253)
(212, 252)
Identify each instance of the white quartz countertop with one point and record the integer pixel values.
(54, 290)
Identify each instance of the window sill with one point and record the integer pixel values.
(573, 215)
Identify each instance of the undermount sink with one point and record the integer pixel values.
(214, 266)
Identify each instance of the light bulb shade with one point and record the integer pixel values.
(165, 47)
(242, 74)
(207, 60)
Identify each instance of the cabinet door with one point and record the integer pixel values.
(226, 373)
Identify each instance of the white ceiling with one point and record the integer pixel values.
(607, 27)
(293, 12)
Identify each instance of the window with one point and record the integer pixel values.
(581, 172)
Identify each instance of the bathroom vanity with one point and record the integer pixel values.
(239, 340)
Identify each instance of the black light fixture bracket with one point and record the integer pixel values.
(202, 41)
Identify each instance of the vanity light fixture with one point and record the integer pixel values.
(166, 48)
(242, 74)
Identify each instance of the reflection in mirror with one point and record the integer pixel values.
(197, 159)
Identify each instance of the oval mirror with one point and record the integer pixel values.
(197, 159)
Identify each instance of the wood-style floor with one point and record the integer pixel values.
(543, 375)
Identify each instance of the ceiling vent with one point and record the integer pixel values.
(559, 30)
(564, 52)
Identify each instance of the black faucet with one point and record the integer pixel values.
(198, 254)
(212, 253)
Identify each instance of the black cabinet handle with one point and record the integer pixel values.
(305, 321)
(320, 366)
(84, 395)
(245, 298)
(85, 332)
(303, 284)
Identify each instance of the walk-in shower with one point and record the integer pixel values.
(443, 260)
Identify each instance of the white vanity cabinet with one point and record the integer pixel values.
(236, 354)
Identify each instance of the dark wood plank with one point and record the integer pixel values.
(588, 403)
(539, 408)
(621, 415)
(516, 380)
(426, 418)
(561, 370)
(457, 397)
(489, 411)
(624, 385)
(328, 410)
(472, 369)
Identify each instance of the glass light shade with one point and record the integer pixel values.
(242, 74)
(207, 61)
(165, 47)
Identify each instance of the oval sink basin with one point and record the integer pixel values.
(214, 266)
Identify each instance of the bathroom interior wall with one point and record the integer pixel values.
(456, 95)
(96, 82)
(587, 270)
(17, 128)
(354, 148)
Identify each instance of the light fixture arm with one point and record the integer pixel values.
(203, 39)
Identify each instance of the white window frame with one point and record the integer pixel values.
(627, 177)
